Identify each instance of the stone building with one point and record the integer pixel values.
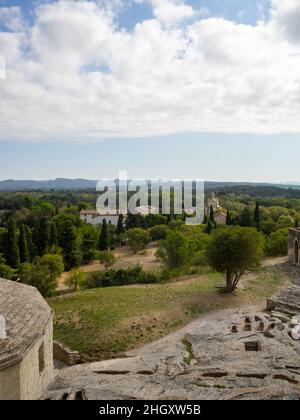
(26, 346)
(213, 202)
(92, 217)
(294, 246)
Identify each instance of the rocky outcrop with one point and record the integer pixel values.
(286, 301)
(234, 355)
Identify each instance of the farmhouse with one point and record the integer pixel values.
(26, 347)
(92, 217)
(293, 246)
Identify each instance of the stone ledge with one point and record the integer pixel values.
(65, 355)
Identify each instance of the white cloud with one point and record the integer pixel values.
(11, 18)
(208, 75)
(286, 18)
(170, 11)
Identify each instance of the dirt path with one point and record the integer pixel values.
(147, 259)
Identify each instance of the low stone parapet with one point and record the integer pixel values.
(65, 355)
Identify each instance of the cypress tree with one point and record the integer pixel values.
(205, 219)
(246, 218)
(209, 227)
(53, 234)
(42, 237)
(228, 218)
(69, 245)
(120, 226)
(212, 215)
(257, 215)
(103, 238)
(23, 245)
(12, 248)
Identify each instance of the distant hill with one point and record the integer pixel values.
(56, 184)
(83, 184)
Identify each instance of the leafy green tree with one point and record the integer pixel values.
(133, 221)
(69, 244)
(233, 251)
(174, 251)
(246, 218)
(54, 263)
(42, 273)
(23, 245)
(276, 243)
(151, 220)
(106, 258)
(76, 280)
(158, 232)
(138, 238)
(12, 248)
(175, 224)
(104, 237)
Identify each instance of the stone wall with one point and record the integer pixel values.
(294, 246)
(65, 355)
(10, 383)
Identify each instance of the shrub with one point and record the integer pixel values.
(158, 232)
(106, 258)
(132, 275)
(76, 280)
(6, 272)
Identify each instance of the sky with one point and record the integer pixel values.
(161, 88)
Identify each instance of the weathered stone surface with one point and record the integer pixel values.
(234, 355)
(286, 301)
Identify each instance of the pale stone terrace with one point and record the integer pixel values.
(234, 355)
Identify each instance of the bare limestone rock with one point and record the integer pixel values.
(234, 355)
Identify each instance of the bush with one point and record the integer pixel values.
(133, 275)
(158, 232)
(76, 280)
(106, 258)
(6, 272)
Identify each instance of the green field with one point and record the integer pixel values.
(104, 323)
